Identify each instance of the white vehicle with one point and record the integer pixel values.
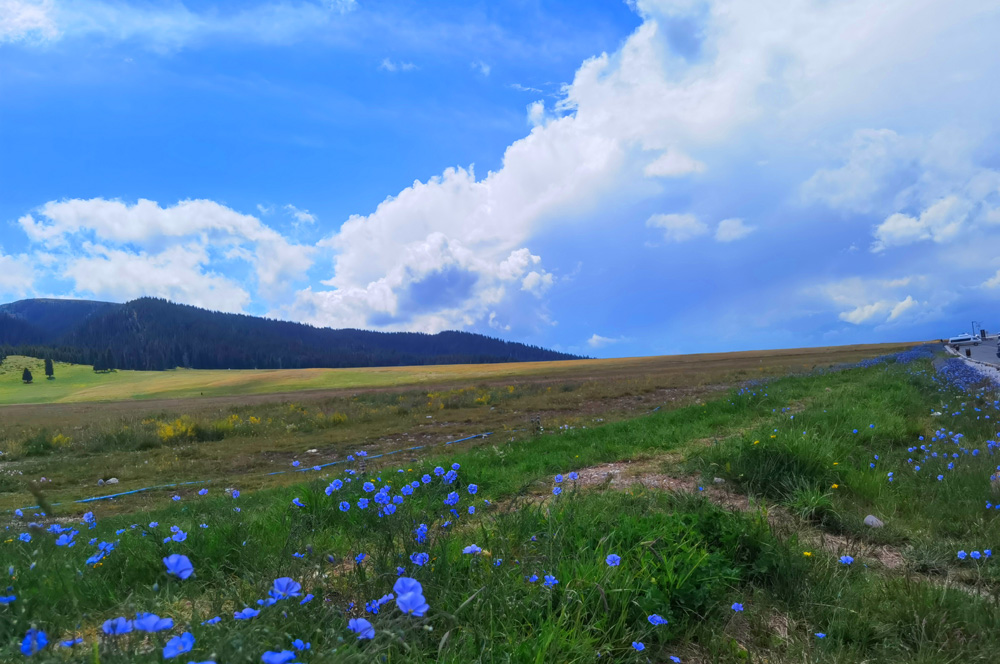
(964, 340)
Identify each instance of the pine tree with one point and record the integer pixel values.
(26, 376)
(50, 372)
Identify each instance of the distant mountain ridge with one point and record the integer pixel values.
(51, 317)
(154, 334)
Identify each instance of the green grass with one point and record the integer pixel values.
(683, 557)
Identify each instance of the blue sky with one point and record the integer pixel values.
(607, 178)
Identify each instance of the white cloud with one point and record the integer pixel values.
(301, 216)
(389, 65)
(166, 27)
(17, 275)
(943, 221)
(880, 301)
(537, 283)
(178, 273)
(992, 282)
(633, 119)
(27, 20)
(536, 113)
(883, 311)
(482, 67)
(673, 164)
(69, 225)
(901, 308)
(678, 227)
(597, 341)
(730, 230)
(872, 158)
(866, 312)
(524, 88)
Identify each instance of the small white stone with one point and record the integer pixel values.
(113, 480)
(873, 521)
(718, 480)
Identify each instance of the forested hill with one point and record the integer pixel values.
(153, 334)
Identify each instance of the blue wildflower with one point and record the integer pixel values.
(613, 560)
(34, 640)
(272, 657)
(550, 581)
(363, 628)
(473, 549)
(117, 626)
(285, 587)
(473, 489)
(656, 619)
(178, 645)
(178, 565)
(150, 622)
(344, 506)
(410, 596)
(638, 645)
(246, 614)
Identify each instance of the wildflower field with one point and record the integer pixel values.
(519, 549)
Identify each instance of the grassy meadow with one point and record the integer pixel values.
(550, 543)
(79, 383)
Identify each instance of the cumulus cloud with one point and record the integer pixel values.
(673, 164)
(678, 227)
(803, 85)
(879, 301)
(482, 67)
(730, 230)
(873, 160)
(597, 341)
(301, 216)
(112, 234)
(178, 273)
(992, 282)
(536, 113)
(630, 124)
(17, 275)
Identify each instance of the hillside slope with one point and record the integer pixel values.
(154, 334)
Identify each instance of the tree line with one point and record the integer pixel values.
(154, 334)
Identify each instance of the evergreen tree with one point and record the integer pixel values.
(26, 376)
(99, 363)
(50, 372)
